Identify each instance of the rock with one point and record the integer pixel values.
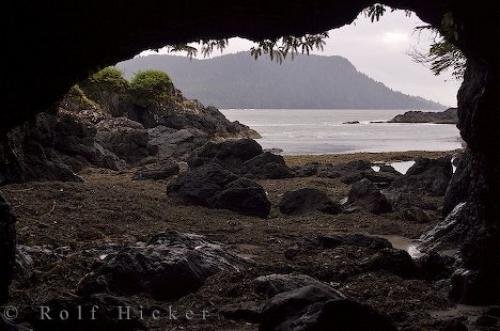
(386, 168)
(213, 186)
(486, 321)
(266, 166)
(348, 169)
(460, 185)
(170, 266)
(306, 170)
(319, 308)
(24, 265)
(474, 287)
(448, 116)
(427, 176)
(105, 316)
(366, 195)
(163, 170)
(401, 201)
(415, 215)
(125, 138)
(306, 200)
(447, 234)
(432, 266)
(177, 144)
(351, 122)
(246, 311)
(353, 239)
(274, 150)
(230, 153)
(274, 284)
(7, 248)
(395, 261)
(380, 179)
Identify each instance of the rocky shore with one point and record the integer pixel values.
(448, 116)
(158, 207)
(242, 244)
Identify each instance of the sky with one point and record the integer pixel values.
(381, 50)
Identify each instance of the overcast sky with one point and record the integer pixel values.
(380, 50)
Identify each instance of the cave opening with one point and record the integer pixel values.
(475, 191)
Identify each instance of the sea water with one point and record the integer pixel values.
(321, 131)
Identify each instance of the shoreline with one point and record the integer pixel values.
(297, 160)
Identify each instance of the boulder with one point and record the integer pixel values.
(366, 195)
(401, 201)
(306, 170)
(168, 267)
(415, 215)
(395, 261)
(127, 139)
(460, 185)
(266, 166)
(432, 266)
(271, 285)
(428, 176)
(319, 308)
(213, 186)
(380, 179)
(163, 170)
(230, 153)
(306, 200)
(7, 248)
(353, 239)
(387, 168)
(174, 143)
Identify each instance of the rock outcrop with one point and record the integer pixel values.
(448, 116)
(426, 175)
(319, 308)
(213, 186)
(307, 200)
(7, 248)
(366, 195)
(168, 267)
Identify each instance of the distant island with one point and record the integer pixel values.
(307, 82)
(449, 116)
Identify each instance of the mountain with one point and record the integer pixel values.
(307, 82)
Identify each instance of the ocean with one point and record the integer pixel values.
(321, 131)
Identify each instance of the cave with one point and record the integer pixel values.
(61, 43)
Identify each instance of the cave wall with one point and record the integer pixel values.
(51, 45)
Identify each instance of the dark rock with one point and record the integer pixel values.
(459, 187)
(433, 266)
(307, 200)
(474, 287)
(125, 138)
(319, 308)
(274, 284)
(455, 324)
(386, 168)
(366, 195)
(230, 153)
(213, 186)
(352, 166)
(401, 201)
(380, 179)
(163, 170)
(448, 233)
(415, 215)
(486, 321)
(7, 248)
(448, 116)
(177, 144)
(427, 176)
(246, 311)
(351, 122)
(395, 261)
(170, 266)
(353, 239)
(105, 317)
(306, 170)
(266, 166)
